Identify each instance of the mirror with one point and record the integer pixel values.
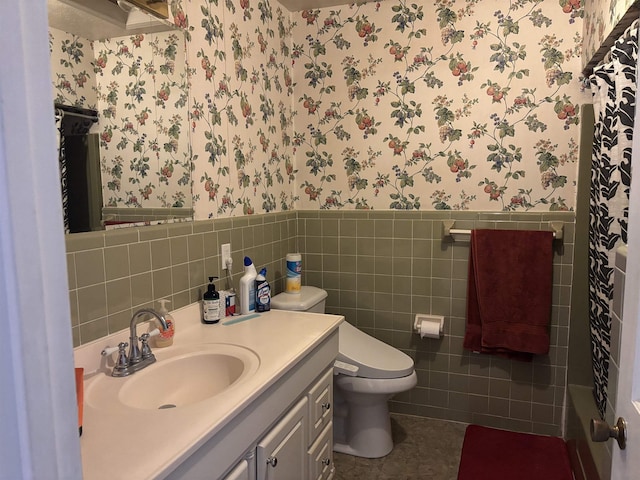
(113, 58)
(157, 8)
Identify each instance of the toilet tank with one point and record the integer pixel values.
(310, 299)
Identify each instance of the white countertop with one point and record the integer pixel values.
(139, 444)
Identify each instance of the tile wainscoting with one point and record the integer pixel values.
(112, 274)
(379, 268)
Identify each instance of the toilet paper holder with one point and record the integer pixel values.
(430, 326)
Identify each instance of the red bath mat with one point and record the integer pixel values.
(491, 454)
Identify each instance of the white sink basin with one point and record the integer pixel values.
(180, 377)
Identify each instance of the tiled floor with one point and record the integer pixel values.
(425, 449)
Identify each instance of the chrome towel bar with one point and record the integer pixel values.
(449, 231)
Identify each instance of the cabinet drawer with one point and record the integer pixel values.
(320, 404)
(321, 456)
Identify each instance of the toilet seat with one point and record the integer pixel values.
(373, 358)
(378, 386)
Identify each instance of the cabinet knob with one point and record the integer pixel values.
(326, 406)
(273, 461)
(326, 461)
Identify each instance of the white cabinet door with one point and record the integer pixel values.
(241, 472)
(282, 453)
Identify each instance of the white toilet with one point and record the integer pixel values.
(367, 373)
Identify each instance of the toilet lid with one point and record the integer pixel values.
(299, 302)
(375, 359)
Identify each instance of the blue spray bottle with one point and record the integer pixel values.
(263, 292)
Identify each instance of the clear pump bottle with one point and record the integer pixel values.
(165, 338)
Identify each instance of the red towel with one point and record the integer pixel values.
(509, 292)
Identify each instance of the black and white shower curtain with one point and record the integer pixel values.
(62, 165)
(70, 122)
(613, 87)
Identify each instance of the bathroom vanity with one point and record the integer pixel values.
(265, 412)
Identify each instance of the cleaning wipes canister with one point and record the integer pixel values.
(294, 273)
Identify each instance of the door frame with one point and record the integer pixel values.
(38, 418)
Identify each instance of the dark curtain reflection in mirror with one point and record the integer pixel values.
(79, 160)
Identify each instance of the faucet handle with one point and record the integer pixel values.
(144, 338)
(154, 332)
(120, 368)
(108, 351)
(122, 352)
(144, 347)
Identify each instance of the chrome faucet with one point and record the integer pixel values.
(139, 357)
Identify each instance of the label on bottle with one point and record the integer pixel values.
(168, 333)
(252, 299)
(230, 304)
(221, 304)
(294, 274)
(211, 311)
(166, 336)
(263, 297)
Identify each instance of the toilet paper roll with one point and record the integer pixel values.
(429, 329)
(429, 326)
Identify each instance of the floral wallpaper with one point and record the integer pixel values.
(463, 105)
(448, 104)
(242, 109)
(74, 82)
(600, 17)
(139, 86)
(143, 107)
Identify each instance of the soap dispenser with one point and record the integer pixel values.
(166, 336)
(211, 304)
